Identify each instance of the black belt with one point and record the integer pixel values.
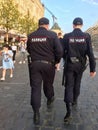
(43, 61)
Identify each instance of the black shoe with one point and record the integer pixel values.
(74, 103)
(36, 118)
(50, 101)
(67, 117)
(68, 114)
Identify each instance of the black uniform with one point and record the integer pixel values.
(45, 51)
(77, 46)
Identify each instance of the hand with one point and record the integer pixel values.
(92, 74)
(57, 66)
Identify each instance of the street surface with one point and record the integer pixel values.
(16, 112)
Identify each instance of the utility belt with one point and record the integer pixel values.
(44, 61)
(81, 60)
(73, 60)
(40, 61)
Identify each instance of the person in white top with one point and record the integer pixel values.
(14, 49)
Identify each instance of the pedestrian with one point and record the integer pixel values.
(22, 52)
(14, 49)
(45, 51)
(77, 46)
(7, 61)
(60, 37)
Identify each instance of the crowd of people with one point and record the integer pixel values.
(46, 49)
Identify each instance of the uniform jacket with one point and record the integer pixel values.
(81, 41)
(44, 45)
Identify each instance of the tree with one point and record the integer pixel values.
(27, 24)
(9, 16)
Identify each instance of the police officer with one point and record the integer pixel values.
(77, 45)
(45, 51)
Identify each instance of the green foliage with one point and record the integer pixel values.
(9, 14)
(27, 24)
(10, 18)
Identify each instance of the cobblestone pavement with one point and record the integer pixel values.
(16, 112)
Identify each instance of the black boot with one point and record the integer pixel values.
(74, 102)
(36, 118)
(67, 117)
(50, 101)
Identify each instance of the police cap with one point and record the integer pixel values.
(78, 21)
(43, 21)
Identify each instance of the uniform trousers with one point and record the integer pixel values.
(41, 73)
(73, 80)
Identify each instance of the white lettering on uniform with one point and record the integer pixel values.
(71, 40)
(39, 39)
(79, 40)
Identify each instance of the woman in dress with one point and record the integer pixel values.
(7, 61)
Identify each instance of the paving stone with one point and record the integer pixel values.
(16, 112)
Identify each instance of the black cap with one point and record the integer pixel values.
(78, 21)
(43, 21)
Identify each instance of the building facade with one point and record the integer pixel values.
(34, 7)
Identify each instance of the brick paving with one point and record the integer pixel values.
(16, 112)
